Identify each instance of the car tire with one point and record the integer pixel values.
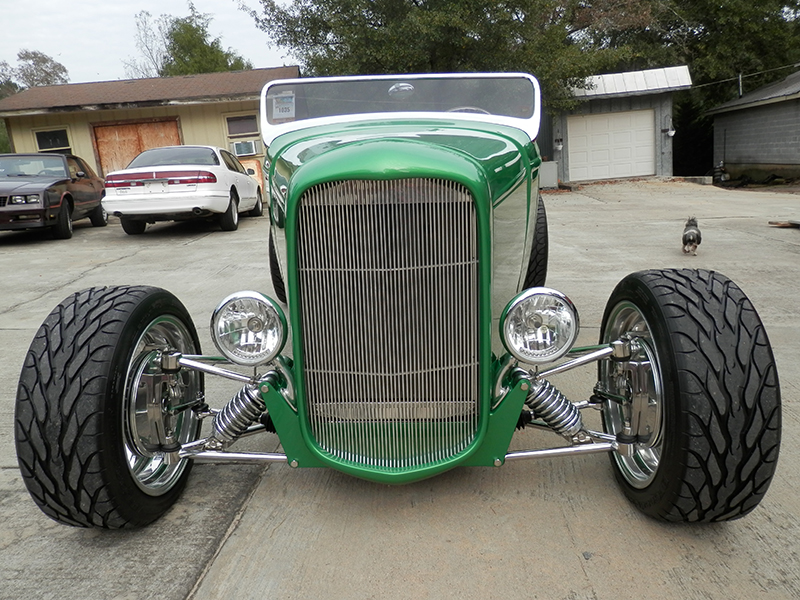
(80, 424)
(258, 209)
(536, 274)
(229, 220)
(275, 272)
(62, 230)
(132, 226)
(711, 394)
(99, 216)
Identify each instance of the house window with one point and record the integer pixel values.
(243, 135)
(53, 140)
(245, 126)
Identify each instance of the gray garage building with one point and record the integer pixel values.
(622, 128)
(758, 135)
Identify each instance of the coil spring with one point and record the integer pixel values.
(550, 405)
(233, 420)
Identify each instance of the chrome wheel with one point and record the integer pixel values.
(638, 389)
(157, 415)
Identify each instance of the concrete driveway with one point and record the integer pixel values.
(550, 529)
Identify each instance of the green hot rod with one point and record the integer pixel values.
(408, 255)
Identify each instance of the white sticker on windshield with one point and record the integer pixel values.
(283, 106)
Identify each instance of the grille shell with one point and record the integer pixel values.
(387, 276)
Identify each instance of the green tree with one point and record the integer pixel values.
(172, 46)
(719, 40)
(554, 40)
(34, 69)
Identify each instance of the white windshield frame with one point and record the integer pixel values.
(530, 126)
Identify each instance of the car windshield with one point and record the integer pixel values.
(32, 166)
(510, 98)
(179, 155)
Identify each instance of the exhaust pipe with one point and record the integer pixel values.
(197, 210)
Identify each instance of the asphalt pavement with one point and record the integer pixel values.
(554, 528)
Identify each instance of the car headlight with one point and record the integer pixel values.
(24, 199)
(539, 325)
(248, 328)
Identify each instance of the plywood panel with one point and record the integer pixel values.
(117, 144)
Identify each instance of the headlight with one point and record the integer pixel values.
(539, 325)
(248, 328)
(26, 199)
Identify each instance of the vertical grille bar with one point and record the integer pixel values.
(387, 276)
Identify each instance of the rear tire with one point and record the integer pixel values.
(712, 399)
(99, 216)
(258, 209)
(275, 272)
(132, 226)
(83, 424)
(229, 220)
(536, 274)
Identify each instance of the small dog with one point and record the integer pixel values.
(691, 237)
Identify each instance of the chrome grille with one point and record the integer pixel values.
(388, 294)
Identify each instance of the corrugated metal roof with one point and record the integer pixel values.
(636, 83)
(780, 91)
(206, 87)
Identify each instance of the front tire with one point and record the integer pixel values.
(88, 408)
(708, 405)
(62, 230)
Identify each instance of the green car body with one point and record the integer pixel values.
(498, 165)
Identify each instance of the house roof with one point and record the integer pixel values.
(130, 93)
(636, 83)
(780, 91)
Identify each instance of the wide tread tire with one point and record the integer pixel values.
(722, 413)
(536, 274)
(275, 272)
(68, 423)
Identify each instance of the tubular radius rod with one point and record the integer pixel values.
(212, 456)
(577, 362)
(212, 370)
(565, 451)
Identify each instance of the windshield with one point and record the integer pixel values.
(175, 155)
(32, 166)
(509, 98)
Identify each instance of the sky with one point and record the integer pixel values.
(92, 38)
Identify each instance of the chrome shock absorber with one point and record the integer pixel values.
(550, 405)
(240, 412)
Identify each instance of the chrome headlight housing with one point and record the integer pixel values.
(249, 328)
(539, 325)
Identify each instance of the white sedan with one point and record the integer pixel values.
(182, 182)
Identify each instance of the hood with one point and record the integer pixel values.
(28, 184)
(492, 156)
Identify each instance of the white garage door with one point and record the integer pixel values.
(611, 145)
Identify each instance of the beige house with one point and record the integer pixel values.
(110, 122)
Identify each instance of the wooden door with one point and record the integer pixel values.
(117, 144)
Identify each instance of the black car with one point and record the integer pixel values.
(49, 190)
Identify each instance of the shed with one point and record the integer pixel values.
(622, 127)
(758, 135)
(110, 122)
